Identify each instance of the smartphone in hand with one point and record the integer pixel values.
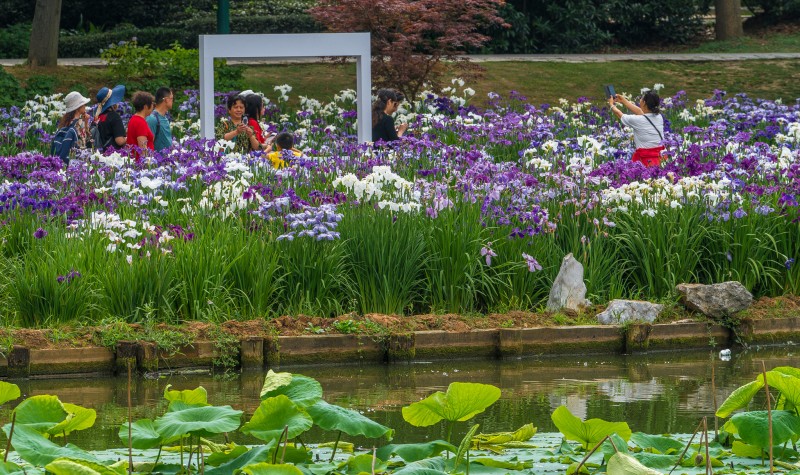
(609, 90)
(245, 120)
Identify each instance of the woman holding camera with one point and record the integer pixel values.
(383, 127)
(647, 124)
(235, 128)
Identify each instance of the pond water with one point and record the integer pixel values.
(655, 393)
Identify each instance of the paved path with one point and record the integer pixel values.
(537, 58)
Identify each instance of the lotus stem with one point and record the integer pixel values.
(374, 456)
(705, 432)
(202, 457)
(578, 470)
(10, 435)
(336, 444)
(158, 455)
(285, 436)
(714, 398)
(769, 417)
(130, 410)
(689, 444)
(191, 452)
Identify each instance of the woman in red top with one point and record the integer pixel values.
(254, 108)
(139, 133)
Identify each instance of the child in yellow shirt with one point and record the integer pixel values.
(283, 141)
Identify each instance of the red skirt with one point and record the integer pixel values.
(649, 157)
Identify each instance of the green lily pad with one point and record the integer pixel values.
(10, 468)
(333, 417)
(8, 392)
(739, 398)
(415, 452)
(461, 402)
(40, 413)
(788, 385)
(588, 433)
(203, 421)
(522, 434)
(248, 457)
(753, 427)
(362, 464)
(271, 469)
(78, 418)
(624, 464)
(434, 466)
(275, 413)
(66, 466)
(35, 449)
(195, 397)
(659, 443)
(143, 434)
(301, 390)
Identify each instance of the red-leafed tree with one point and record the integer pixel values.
(411, 39)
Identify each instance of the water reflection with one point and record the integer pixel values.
(656, 393)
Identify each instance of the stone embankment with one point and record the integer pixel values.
(287, 351)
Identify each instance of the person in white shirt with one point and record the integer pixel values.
(647, 124)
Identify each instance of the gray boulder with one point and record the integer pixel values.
(622, 311)
(568, 289)
(717, 300)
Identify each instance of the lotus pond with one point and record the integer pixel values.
(660, 393)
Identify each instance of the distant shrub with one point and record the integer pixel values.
(768, 12)
(14, 40)
(40, 84)
(142, 67)
(186, 34)
(13, 94)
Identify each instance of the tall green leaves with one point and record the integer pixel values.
(588, 433)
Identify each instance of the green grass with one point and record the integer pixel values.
(764, 43)
(540, 82)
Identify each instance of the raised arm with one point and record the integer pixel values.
(630, 105)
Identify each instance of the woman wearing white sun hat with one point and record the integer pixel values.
(73, 126)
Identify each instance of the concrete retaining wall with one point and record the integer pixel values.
(259, 353)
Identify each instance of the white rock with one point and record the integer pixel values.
(568, 289)
(622, 311)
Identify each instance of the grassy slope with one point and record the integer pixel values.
(541, 82)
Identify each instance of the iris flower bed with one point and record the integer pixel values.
(473, 212)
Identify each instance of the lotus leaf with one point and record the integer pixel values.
(322, 468)
(788, 385)
(79, 418)
(463, 448)
(588, 433)
(507, 464)
(143, 434)
(248, 457)
(656, 460)
(40, 413)
(788, 370)
(415, 452)
(753, 427)
(461, 402)
(434, 466)
(659, 443)
(302, 390)
(271, 469)
(195, 397)
(739, 398)
(35, 449)
(275, 413)
(275, 381)
(332, 417)
(573, 469)
(10, 468)
(741, 449)
(66, 466)
(202, 421)
(522, 434)
(624, 464)
(8, 392)
(290, 453)
(361, 464)
(341, 446)
(218, 458)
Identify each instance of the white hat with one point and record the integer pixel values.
(74, 100)
(246, 93)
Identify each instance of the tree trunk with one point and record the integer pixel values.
(728, 19)
(43, 50)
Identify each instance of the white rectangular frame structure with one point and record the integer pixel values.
(287, 46)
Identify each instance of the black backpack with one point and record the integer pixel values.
(97, 138)
(63, 141)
